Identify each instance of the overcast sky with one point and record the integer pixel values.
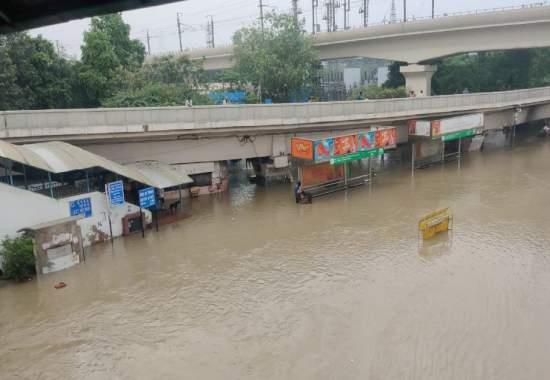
(230, 15)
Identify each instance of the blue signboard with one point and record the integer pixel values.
(147, 197)
(81, 207)
(115, 193)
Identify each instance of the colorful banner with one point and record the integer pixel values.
(345, 145)
(323, 149)
(302, 148)
(386, 138)
(367, 141)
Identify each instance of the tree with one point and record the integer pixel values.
(18, 258)
(34, 75)
(376, 92)
(278, 61)
(108, 54)
(395, 79)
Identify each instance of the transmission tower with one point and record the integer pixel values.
(364, 10)
(393, 15)
(347, 9)
(330, 15)
(210, 32)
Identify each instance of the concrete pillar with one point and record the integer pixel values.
(418, 78)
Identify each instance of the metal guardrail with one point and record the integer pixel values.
(158, 119)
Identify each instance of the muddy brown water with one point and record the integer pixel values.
(255, 287)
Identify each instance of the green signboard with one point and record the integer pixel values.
(357, 156)
(458, 135)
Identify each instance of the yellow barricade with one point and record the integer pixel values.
(435, 222)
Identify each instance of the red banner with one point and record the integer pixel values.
(345, 145)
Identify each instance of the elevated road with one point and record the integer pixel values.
(154, 123)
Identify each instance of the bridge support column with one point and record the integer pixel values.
(418, 79)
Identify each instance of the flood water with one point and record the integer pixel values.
(255, 287)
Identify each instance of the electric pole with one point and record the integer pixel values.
(433, 8)
(148, 43)
(179, 30)
(365, 11)
(404, 10)
(393, 15)
(295, 11)
(210, 33)
(314, 5)
(262, 15)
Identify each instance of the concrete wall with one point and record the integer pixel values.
(21, 208)
(146, 124)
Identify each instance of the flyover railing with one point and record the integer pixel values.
(156, 119)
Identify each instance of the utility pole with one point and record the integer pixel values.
(179, 30)
(314, 5)
(404, 10)
(262, 15)
(148, 43)
(433, 8)
(57, 46)
(393, 15)
(210, 32)
(295, 11)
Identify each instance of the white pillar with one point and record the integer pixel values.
(418, 78)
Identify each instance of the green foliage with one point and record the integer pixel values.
(375, 92)
(108, 54)
(33, 75)
(280, 60)
(18, 258)
(156, 95)
(395, 79)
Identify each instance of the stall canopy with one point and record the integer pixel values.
(59, 157)
(163, 175)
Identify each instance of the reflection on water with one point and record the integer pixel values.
(255, 287)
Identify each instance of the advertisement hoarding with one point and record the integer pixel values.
(366, 141)
(301, 148)
(345, 145)
(456, 124)
(419, 128)
(386, 138)
(323, 149)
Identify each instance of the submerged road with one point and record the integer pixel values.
(256, 287)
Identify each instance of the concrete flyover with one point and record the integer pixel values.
(417, 42)
(215, 133)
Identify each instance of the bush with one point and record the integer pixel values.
(18, 258)
(375, 92)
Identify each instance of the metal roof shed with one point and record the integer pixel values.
(162, 175)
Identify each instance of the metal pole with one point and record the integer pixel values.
(262, 15)
(109, 212)
(433, 8)
(25, 177)
(179, 30)
(404, 10)
(346, 174)
(87, 181)
(141, 222)
(442, 151)
(10, 173)
(413, 158)
(313, 16)
(179, 190)
(459, 151)
(50, 184)
(148, 43)
(370, 171)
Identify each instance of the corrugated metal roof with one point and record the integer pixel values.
(163, 175)
(60, 157)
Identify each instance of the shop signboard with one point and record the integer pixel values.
(456, 124)
(386, 138)
(345, 145)
(366, 141)
(323, 149)
(420, 128)
(302, 148)
(357, 156)
(458, 135)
